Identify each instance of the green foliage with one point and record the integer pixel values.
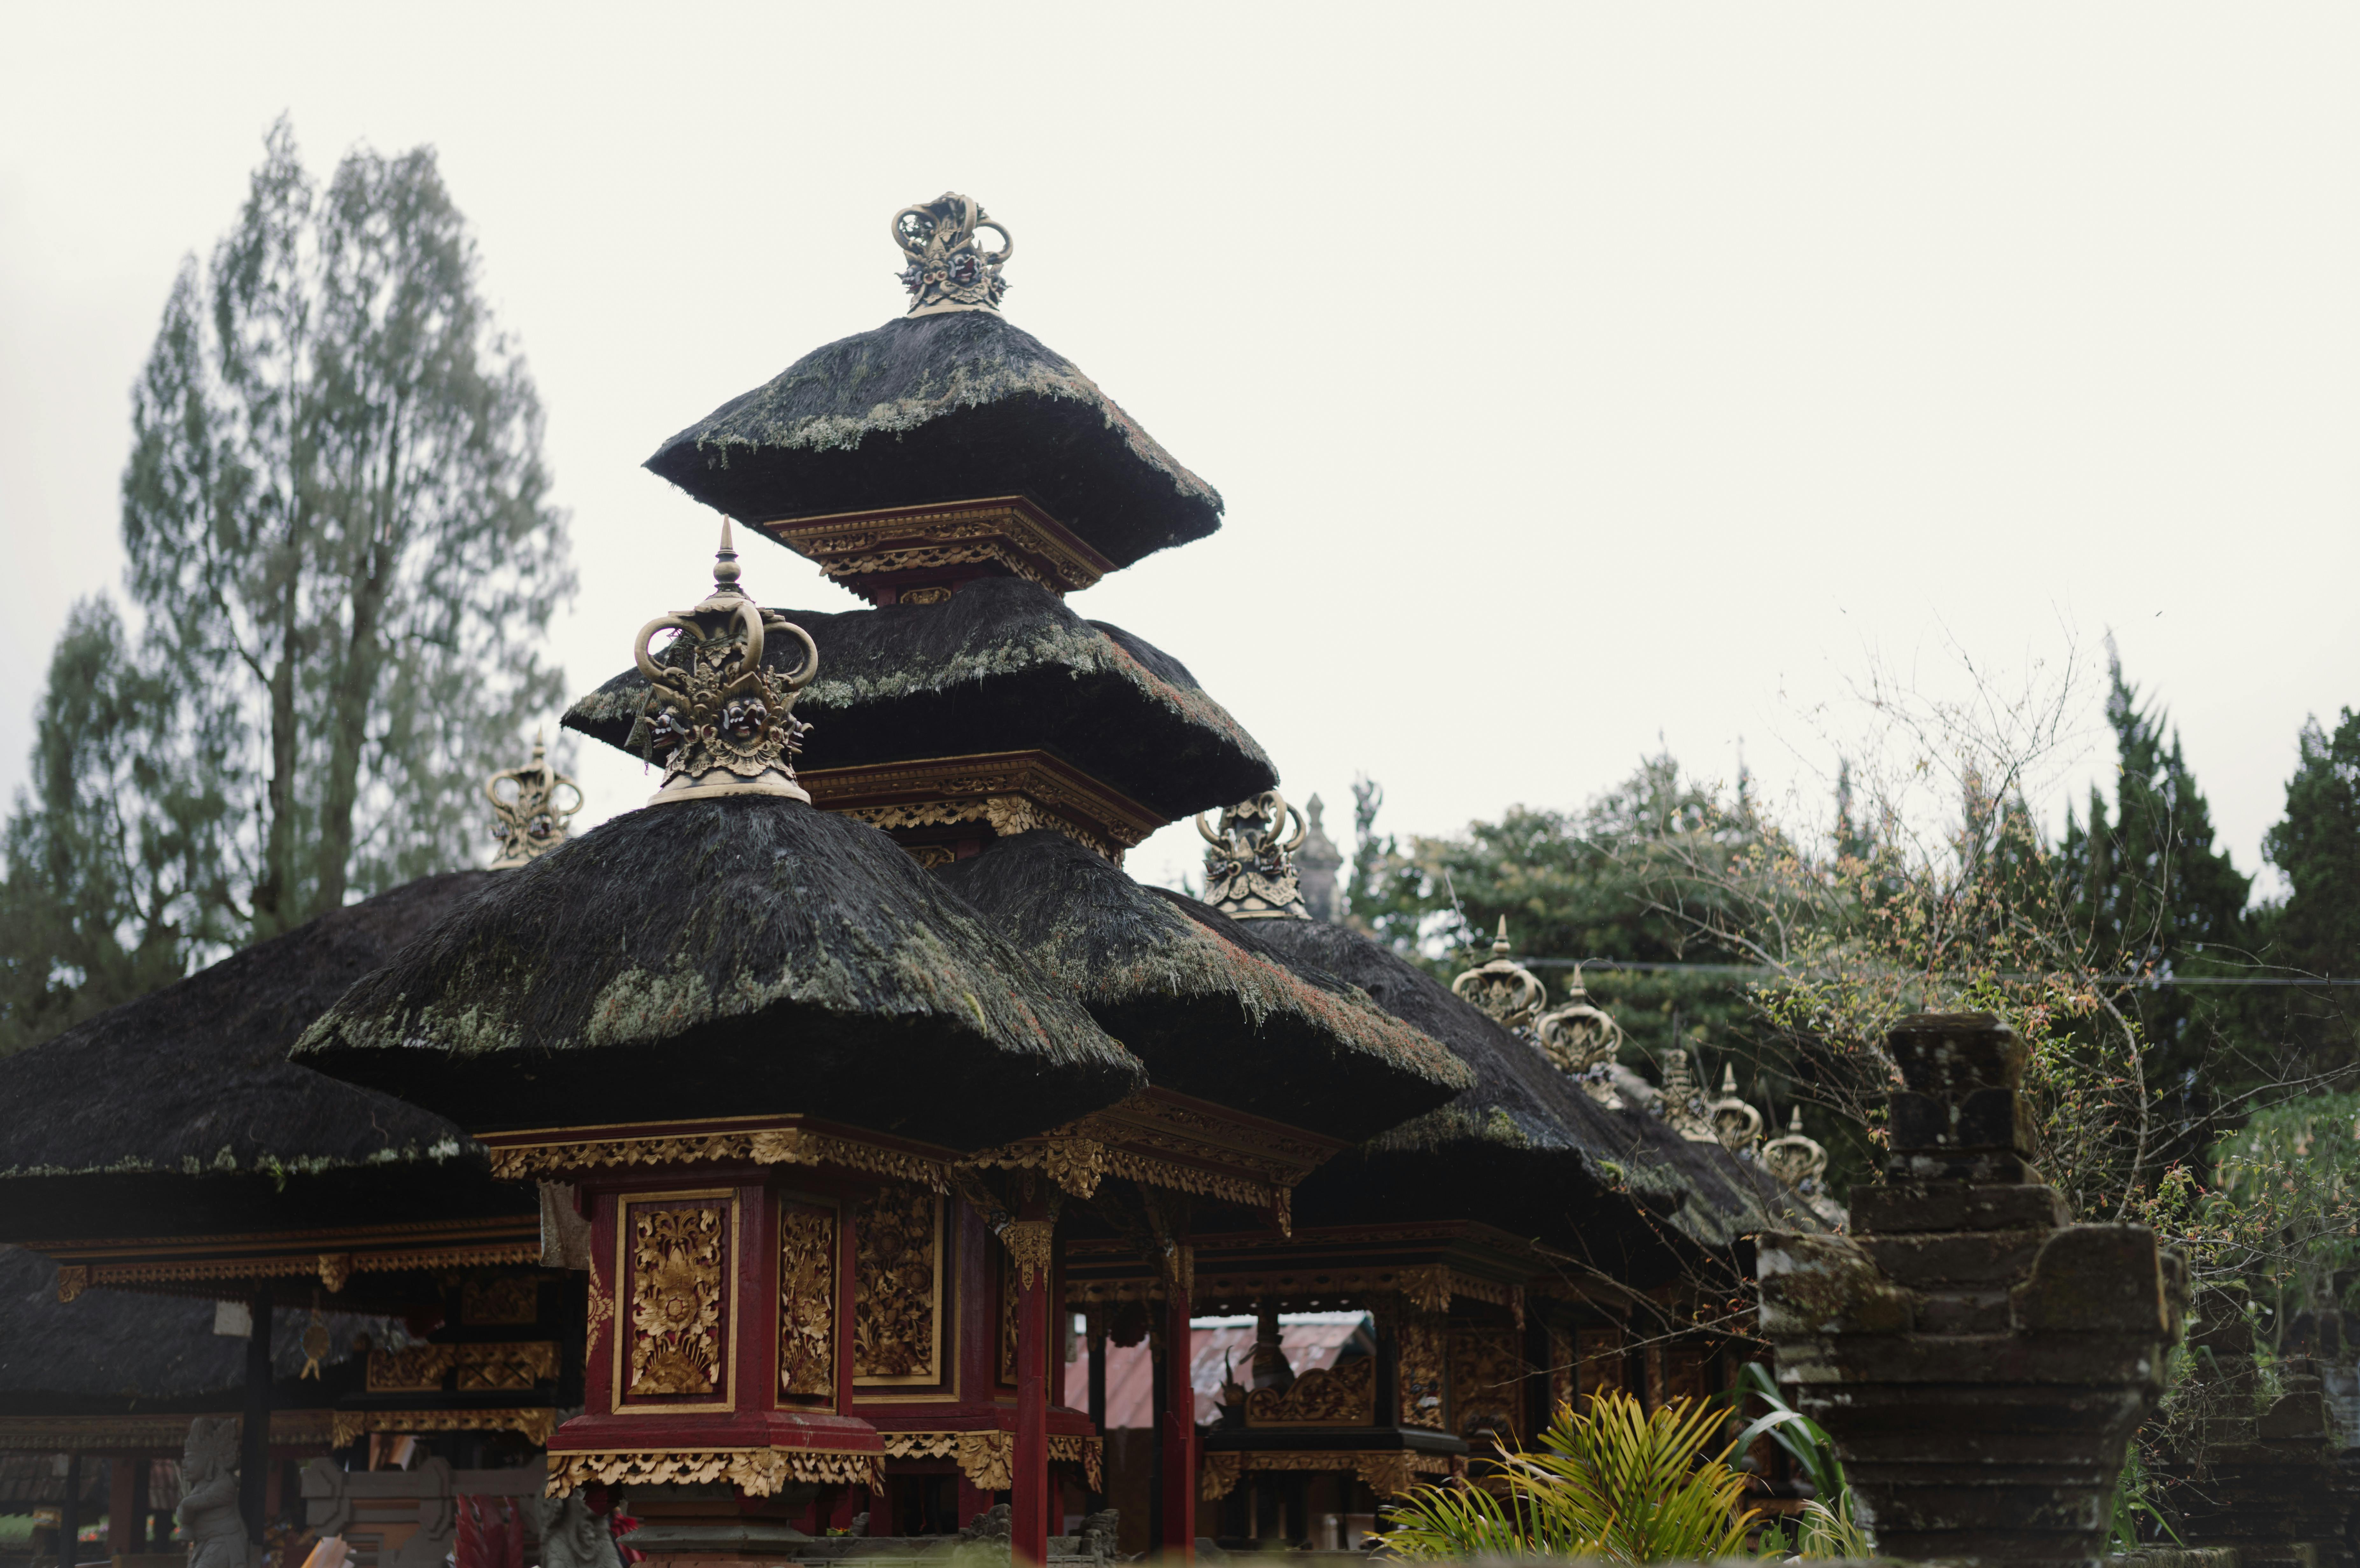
(342, 558)
(1616, 1483)
(1826, 1528)
(2284, 1203)
(2316, 932)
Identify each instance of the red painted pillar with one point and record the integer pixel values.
(126, 1521)
(1179, 1419)
(1032, 1242)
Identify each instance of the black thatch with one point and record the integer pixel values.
(179, 1111)
(1199, 996)
(1525, 1148)
(941, 408)
(110, 1352)
(1004, 666)
(725, 958)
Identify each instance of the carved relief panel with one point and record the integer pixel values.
(676, 1347)
(1341, 1395)
(1597, 1357)
(1487, 1384)
(898, 1307)
(1424, 1348)
(806, 1300)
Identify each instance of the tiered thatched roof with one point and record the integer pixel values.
(1211, 1009)
(1003, 666)
(737, 956)
(941, 408)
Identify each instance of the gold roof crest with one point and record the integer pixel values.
(947, 271)
(1249, 864)
(527, 819)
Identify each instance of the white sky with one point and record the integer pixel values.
(1574, 375)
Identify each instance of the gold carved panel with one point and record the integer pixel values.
(1341, 1395)
(678, 1301)
(1423, 1345)
(1011, 1316)
(1597, 1361)
(510, 1366)
(1487, 1383)
(897, 1302)
(414, 1369)
(512, 1303)
(806, 1300)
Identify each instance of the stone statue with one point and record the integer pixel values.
(208, 1509)
(573, 1537)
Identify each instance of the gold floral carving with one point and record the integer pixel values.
(413, 1370)
(506, 1364)
(1487, 1376)
(1010, 532)
(73, 1279)
(1389, 1472)
(1077, 1164)
(806, 1300)
(599, 1312)
(1341, 1395)
(777, 1145)
(511, 1301)
(758, 1472)
(335, 1267)
(1014, 792)
(534, 1424)
(1032, 1244)
(1598, 1358)
(1089, 1453)
(1009, 1320)
(897, 1290)
(1427, 1287)
(676, 1302)
(988, 1460)
(1423, 1348)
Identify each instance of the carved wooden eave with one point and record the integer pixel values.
(924, 804)
(227, 1265)
(533, 1423)
(556, 1152)
(919, 555)
(143, 1434)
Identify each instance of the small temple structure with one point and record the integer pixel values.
(747, 1161)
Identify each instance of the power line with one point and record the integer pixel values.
(2154, 981)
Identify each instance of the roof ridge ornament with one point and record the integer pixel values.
(719, 721)
(1582, 1038)
(1736, 1123)
(1502, 989)
(947, 271)
(527, 822)
(1682, 1104)
(1250, 865)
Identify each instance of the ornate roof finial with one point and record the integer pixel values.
(948, 270)
(1737, 1124)
(527, 820)
(1503, 988)
(712, 711)
(1582, 1039)
(1250, 867)
(1683, 1104)
(1796, 1160)
(1317, 864)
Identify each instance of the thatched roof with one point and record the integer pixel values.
(1526, 1148)
(1200, 999)
(1003, 666)
(111, 1351)
(945, 407)
(179, 1111)
(724, 957)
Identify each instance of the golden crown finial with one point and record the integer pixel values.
(1503, 988)
(719, 721)
(1250, 865)
(528, 821)
(1582, 1038)
(947, 271)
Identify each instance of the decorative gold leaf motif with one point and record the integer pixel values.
(988, 1460)
(335, 1267)
(676, 1302)
(1421, 1351)
(73, 1279)
(413, 1370)
(535, 1423)
(1389, 1472)
(509, 1364)
(1033, 1244)
(757, 1472)
(788, 1146)
(1486, 1383)
(806, 1300)
(1077, 1164)
(1341, 1395)
(1009, 1321)
(510, 1303)
(601, 1310)
(896, 1309)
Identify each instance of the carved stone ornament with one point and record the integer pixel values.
(1796, 1159)
(1582, 1039)
(208, 1509)
(719, 723)
(1503, 988)
(948, 270)
(531, 806)
(1250, 865)
(1683, 1103)
(573, 1537)
(1737, 1125)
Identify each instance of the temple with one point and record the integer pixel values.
(755, 1165)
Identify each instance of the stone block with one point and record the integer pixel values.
(2096, 1279)
(1825, 1284)
(1901, 1207)
(1989, 1257)
(1949, 1055)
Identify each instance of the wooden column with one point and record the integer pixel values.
(254, 1434)
(1179, 1445)
(69, 1516)
(1098, 1342)
(1032, 1247)
(127, 1505)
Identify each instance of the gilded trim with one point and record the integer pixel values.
(1390, 1471)
(626, 1272)
(758, 1472)
(1011, 531)
(776, 1144)
(1012, 791)
(987, 1458)
(157, 1433)
(535, 1423)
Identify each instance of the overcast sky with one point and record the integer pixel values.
(1574, 377)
